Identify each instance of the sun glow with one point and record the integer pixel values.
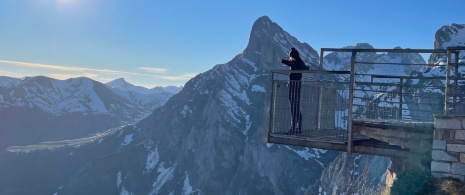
(64, 1)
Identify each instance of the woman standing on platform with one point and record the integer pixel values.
(296, 63)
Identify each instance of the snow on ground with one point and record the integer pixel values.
(165, 174)
(307, 154)
(185, 111)
(152, 160)
(125, 192)
(128, 139)
(187, 188)
(118, 179)
(257, 88)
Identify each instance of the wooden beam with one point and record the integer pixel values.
(357, 148)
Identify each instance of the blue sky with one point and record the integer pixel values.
(159, 43)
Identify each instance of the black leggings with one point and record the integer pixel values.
(294, 100)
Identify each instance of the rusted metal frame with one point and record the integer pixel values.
(350, 133)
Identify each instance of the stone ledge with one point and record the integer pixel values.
(452, 123)
(441, 155)
(456, 148)
(440, 167)
(436, 116)
(460, 134)
(445, 175)
(457, 169)
(439, 144)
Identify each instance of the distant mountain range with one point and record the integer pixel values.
(39, 108)
(207, 139)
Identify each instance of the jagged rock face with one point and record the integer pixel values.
(268, 41)
(342, 61)
(448, 36)
(356, 174)
(207, 139)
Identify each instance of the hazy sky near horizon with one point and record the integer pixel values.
(159, 43)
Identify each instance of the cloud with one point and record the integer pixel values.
(68, 68)
(102, 75)
(67, 76)
(180, 77)
(154, 70)
(12, 74)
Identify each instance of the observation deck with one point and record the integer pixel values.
(372, 107)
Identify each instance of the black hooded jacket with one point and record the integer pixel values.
(296, 64)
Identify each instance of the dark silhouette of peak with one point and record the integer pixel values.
(364, 46)
(264, 26)
(268, 41)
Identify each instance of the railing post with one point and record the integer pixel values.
(351, 105)
(271, 126)
(400, 97)
(446, 95)
(456, 75)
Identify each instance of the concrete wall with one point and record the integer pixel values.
(448, 154)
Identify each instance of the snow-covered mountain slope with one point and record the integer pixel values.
(207, 139)
(39, 108)
(8, 82)
(122, 85)
(341, 61)
(447, 36)
(80, 95)
(141, 96)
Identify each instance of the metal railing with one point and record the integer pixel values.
(331, 99)
(314, 108)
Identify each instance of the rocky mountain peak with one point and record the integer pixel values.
(448, 36)
(363, 46)
(268, 41)
(117, 81)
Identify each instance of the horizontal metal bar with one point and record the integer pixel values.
(379, 91)
(455, 48)
(385, 50)
(408, 77)
(394, 63)
(310, 71)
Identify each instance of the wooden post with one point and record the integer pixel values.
(271, 122)
(400, 98)
(456, 75)
(446, 96)
(351, 105)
